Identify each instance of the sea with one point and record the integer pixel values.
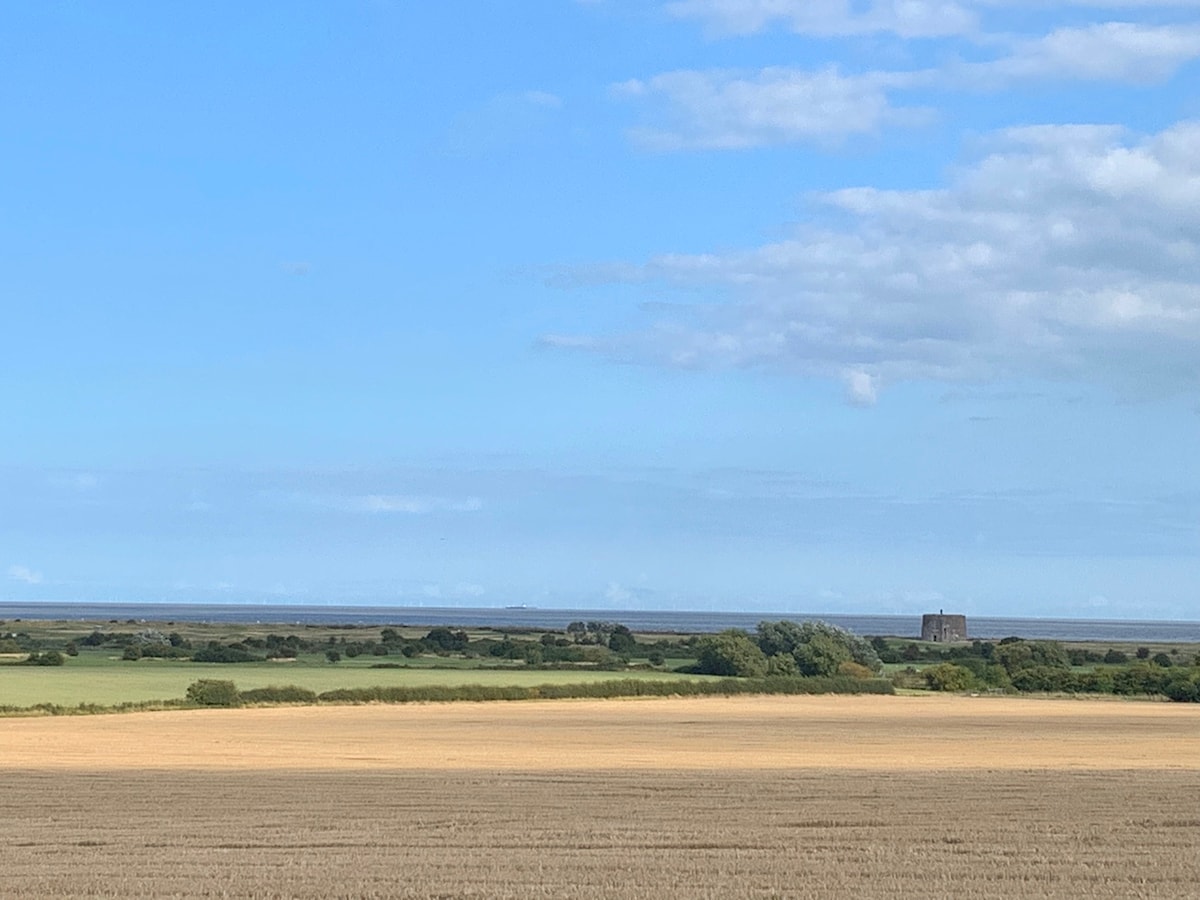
(640, 620)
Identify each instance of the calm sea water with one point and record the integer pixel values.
(638, 620)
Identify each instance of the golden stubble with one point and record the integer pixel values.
(826, 732)
(796, 797)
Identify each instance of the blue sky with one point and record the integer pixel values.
(787, 305)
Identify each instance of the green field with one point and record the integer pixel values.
(84, 680)
(98, 675)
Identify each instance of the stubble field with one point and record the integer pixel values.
(712, 797)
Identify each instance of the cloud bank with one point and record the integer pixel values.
(1063, 252)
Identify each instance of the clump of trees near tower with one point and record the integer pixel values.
(785, 648)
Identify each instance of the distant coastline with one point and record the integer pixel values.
(528, 617)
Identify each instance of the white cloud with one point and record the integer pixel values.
(862, 388)
(1067, 251)
(830, 18)
(1091, 4)
(24, 574)
(728, 110)
(903, 18)
(1108, 51)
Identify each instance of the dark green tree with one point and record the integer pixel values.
(948, 677)
(621, 640)
(732, 652)
(213, 692)
(817, 647)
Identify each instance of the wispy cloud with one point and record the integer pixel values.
(902, 18)
(24, 574)
(399, 503)
(830, 18)
(730, 110)
(1108, 51)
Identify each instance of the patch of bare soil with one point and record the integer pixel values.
(868, 797)
(631, 833)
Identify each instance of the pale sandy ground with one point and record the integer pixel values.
(861, 732)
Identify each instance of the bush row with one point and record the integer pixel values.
(626, 687)
(1137, 679)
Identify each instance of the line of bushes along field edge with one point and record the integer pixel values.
(214, 693)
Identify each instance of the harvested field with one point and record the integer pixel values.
(860, 732)
(715, 797)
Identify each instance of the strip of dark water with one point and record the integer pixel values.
(641, 620)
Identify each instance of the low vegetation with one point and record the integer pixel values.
(808, 649)
(105, 666)
(1016, 665)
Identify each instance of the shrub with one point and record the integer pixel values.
(732, 652)
(49, 658)
(1097, 681)
(212, 692)
(908, 678)
(607, 689)
(288, 693)
(443, 640)
(1139, 678)
(621, 640)
(1183, 687)
(1017, 655)
(986, 673)
(782, 666)
(948, 677)
(851, 669)
(1044, 678)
